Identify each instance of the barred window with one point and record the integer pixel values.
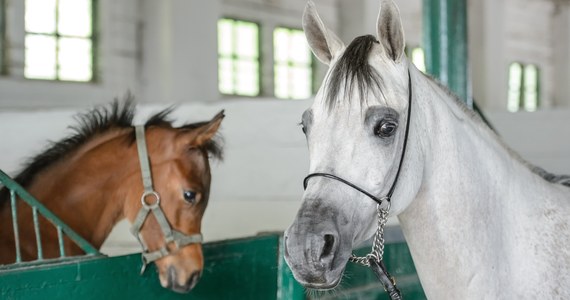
(59, 40)
(293, 64)
(417, 56)
(238, 58)
(523, 91)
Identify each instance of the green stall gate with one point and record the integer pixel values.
(249, 268)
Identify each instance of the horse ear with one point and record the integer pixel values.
(202, 134)
(207, 131)
(390, 32)
(323, 42)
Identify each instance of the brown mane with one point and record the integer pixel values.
(117, 115)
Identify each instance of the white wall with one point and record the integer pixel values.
(561, 56)
(542, 138)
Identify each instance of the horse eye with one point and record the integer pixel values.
(189, 196)
(385, 128)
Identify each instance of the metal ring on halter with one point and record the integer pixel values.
(152, 205)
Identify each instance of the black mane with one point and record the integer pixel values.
(353, 68)
(119, 114)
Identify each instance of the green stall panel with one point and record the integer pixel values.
(250, 268)
(236, 269)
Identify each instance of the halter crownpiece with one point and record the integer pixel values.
(374, 259)
(171, 236)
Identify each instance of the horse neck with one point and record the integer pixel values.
(84, 189)
(457, 219)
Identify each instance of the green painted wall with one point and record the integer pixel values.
(251, 268)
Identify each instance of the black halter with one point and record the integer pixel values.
(388, 196)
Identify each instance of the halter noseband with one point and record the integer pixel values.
(383, 201)
(171, 236)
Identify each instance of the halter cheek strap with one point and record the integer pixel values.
(171, 236)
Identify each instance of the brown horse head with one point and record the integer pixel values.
(93, 179)
(181, 179)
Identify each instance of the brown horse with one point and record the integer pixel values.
(92, 180)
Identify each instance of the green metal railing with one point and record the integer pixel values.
(19, 193)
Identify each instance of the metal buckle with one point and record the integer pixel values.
(152, 205)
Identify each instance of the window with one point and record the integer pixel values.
(523, 87)
(416, 55)
(293, 64)
(59, 40)
(238, 57)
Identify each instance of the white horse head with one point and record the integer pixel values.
(479, 221)
(355, 130)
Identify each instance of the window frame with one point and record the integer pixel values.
(94, 38)
(522, 86)
(260, 58)
(312, 63)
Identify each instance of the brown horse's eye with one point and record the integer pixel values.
(190, 196)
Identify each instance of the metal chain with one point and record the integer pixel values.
(378, 243)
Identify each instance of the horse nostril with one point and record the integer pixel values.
(171, 277)
(328, 247)
(193, 280)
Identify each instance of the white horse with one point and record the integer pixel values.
(480, 222)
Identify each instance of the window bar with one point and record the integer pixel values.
(60, 240)
(38, 234)
(15, 225)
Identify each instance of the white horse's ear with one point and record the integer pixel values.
(323, 42)
(390, 32)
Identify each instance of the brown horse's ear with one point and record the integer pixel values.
(207, 131)
(202, 134)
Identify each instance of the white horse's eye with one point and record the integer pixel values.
(385, 128)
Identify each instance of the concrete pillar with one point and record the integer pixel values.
(180, 50)
(561, 57)
(487, 48)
